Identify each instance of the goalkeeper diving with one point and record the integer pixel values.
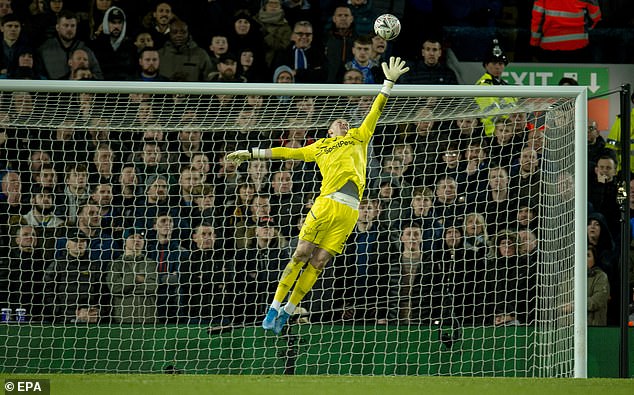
(342, 159)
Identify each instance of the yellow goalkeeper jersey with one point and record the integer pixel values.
(340, 159)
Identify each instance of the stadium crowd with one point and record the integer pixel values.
(156, 226)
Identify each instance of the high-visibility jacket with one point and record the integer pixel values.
(614, 140)
(492, 104)
(563, 24)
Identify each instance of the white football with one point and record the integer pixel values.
(387, 26)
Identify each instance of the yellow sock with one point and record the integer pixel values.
(304, 284)
(291, 271)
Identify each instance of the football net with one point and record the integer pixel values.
(131, 245)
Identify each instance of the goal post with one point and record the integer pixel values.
(377, 309)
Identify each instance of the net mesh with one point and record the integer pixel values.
(133, 245)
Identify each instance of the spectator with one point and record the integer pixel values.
(182, 196)
(42, 214)
(111, 219)
(112, 47)
(125, 194)
(28, 66)
(603, 192)
(366, 276)
(338, 41)
(42, 21)
(429, 70)
(200, 162)
(364, 15)
(476, 237)
(597, 146)
(560, 29)
(245, 33)
(606, 257)
(95, 18)
(262, 264)
(150, 161)
(218, 46)
(155, 200)
(75, 192)
(285, 201)
(227, 178)
(453, 271)
(158, 21)
(102, 167)
(465, 130)
(14, 43)
(274, 27)
(472, 173)
(143, 39)
(448, 160)
(379, 52)
(149, 66)
(68, 145)
(502, 279)
(448, 206)
(526, 177)
(22, 273)
(227, 70)
(410, 262)
(259, 207)
(205, 281)
(526, 217)
(133, 282)
(101, 246)
(307, 60)
(362, 45)
(505, 144)
(258, 175)
(495, 204)
(55, 51)
(204, 206)
(72, 279)
(424, 137)
(598, 291)
(46, 178)
(165, 250)
(253, 69)
(183, 56)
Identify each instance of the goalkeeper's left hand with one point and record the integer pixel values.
(240, 156)
(395, 69)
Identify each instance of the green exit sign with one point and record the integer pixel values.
(597, 79)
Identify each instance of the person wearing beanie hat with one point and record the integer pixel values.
(283, 75)
(342, 159)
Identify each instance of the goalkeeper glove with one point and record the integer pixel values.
(392, 72)
(240, 156)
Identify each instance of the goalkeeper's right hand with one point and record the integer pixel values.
(237, 157)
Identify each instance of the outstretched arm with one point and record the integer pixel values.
(240, 156)
(305, 154)
(392, 72)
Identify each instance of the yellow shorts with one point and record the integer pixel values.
(329, 224)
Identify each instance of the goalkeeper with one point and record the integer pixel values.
(342, 160)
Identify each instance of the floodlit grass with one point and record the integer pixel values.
(124, 384)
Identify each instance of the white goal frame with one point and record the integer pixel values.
(578, 93)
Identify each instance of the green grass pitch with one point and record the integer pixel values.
(132, 384)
